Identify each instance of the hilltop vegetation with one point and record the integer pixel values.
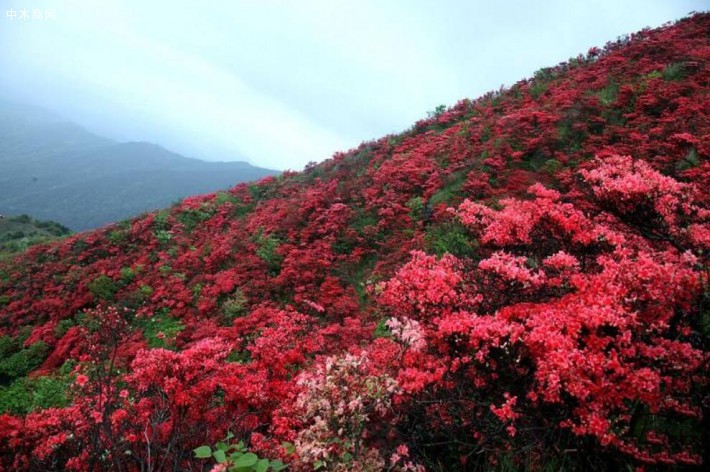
(518, 282)
(17, 233)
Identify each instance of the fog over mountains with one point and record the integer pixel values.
(56, 170)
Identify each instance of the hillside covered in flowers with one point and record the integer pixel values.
(518, 282)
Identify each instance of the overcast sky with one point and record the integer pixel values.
(281, 83)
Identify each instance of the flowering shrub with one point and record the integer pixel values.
(343, 404)
(499, 286)
(236, 457)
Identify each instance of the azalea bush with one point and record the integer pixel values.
(518, 282)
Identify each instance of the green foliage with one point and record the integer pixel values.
(690, 161)
(160, 220)
(343, 245)
(192, 218)
(16, 361)
(4, 300)
(546, 74)
(541, 81)
(103, 287)
(223, 197)
(160, 330)
(163, 236)
(237, 457)
(381, 330)
(646, 78)
(258, 191)
(364, 219)
(239, 356)
(234, 306)
(62, 327)
(552, 166)
(652, 75)
(554, 462)
(437, 112)
(128, 275)
(21, 219)
(119, 235)
(570, 138)
(146, 290)
(9, 344)
(28, 394)
(161, 227)
(416, 208)
(17, 233)
(451, 190)
(534, 161)
(450, 237)
(537, 89)
(607, 95)
(674, 71)
(267, 251)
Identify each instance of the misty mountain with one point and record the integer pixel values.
(54, 169)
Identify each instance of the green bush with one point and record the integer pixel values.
(192, 218)
(163, 236)
(62, 327)
(238, 458)
(451, 190)
(416, 208)
(161, 330)
(223, 197)
(267, 251)
(607, 95)
(450, 237)
(381, 330)
(674, 71)
(10, 345)
(537, 89)
(235, 306)
(25, 394)
(117, 237)
(691, 160)
(128, 275)
(103, 288)
(16, 362)
(160, 220)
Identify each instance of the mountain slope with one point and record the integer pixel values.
(517, 282)
(19, 232)
(56, 170)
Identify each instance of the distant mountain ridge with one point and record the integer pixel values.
(53, 169)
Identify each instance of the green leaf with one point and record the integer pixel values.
(247, 460)
(262, 465)
(318, 464)
(229, 436)
(203, 452)
(288, 447)
(277, 465)
(219, 456)
(222, 446)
